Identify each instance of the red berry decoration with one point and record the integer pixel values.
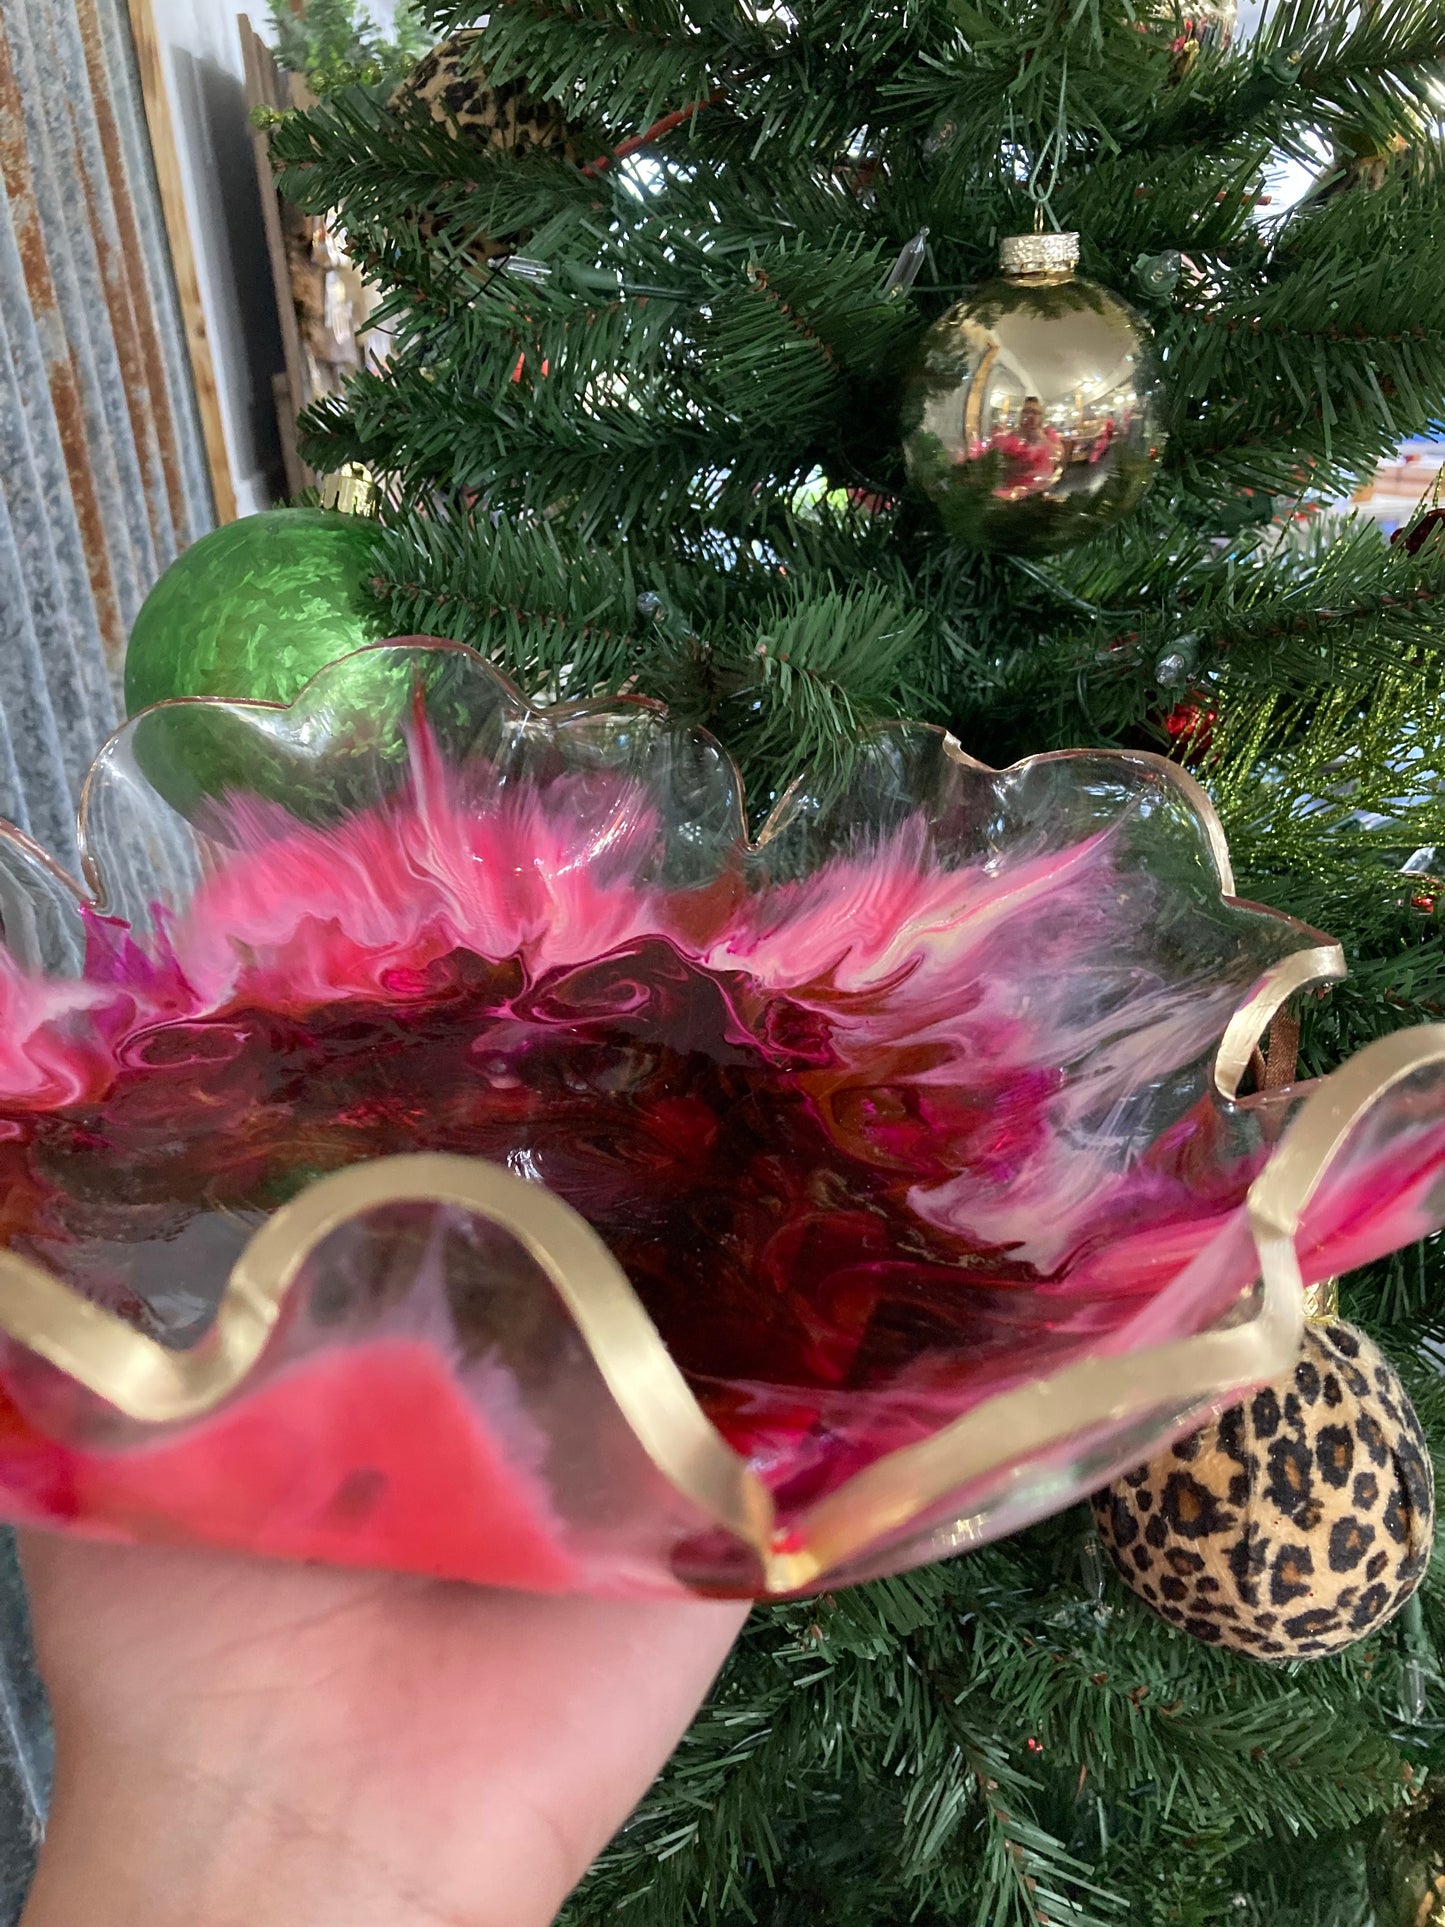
(1190, 727)
(1418, 533)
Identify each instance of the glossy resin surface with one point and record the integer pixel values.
(440, 1138)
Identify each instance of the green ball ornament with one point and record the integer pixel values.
(1030, 421)
(254, 609)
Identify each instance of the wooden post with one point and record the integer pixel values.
(267, 86)
(183, 259)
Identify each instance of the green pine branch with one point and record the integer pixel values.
(660, 456)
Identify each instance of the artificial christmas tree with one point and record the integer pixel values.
(662, 454)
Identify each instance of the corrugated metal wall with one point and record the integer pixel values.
(102, 474)
(102, 480)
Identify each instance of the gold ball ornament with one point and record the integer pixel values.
(1362, 162)
(1405, 1865)
(1030, 421)
(1201, 26)
(451, 83)
(1294, 1525)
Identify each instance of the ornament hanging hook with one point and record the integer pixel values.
(1040, 175)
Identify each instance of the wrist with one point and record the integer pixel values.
(139, 1840)
(132, 1839)
(250, 1745)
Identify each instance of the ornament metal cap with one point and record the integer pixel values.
(351, 489)
(1038, 253)
(1322, 1301)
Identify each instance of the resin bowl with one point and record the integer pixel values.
(438, 1138)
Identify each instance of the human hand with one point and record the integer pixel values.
(246, 1744)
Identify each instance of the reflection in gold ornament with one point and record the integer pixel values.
(1407, 1863)
(1030, 421)
(1201, 26)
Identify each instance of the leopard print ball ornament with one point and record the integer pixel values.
(1297, 1523)
(452, 85)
